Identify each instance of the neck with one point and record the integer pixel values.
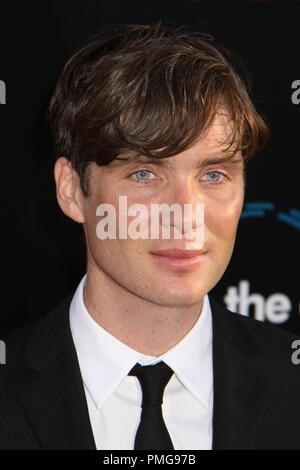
(147, 327)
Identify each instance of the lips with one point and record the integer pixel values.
(178, 253)
(177, 259)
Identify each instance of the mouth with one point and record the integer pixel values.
(179, 260)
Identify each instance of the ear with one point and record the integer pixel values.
(68, 190)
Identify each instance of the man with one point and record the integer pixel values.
(147, 117)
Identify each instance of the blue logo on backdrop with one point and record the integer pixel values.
(261, 209)
(275, 307)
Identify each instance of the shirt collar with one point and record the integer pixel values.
(105, 361)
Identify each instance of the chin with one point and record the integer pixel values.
(179, 298)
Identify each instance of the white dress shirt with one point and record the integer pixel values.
(114, 398)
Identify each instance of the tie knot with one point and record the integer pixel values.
(153, 380)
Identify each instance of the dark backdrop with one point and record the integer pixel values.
(42, 251)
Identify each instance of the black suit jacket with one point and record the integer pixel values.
(256, 386)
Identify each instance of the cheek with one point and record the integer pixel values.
(222, 217)
(121, 238)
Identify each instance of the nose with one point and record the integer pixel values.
(188, 213)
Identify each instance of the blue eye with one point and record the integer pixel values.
(213, 176)
(143, 175)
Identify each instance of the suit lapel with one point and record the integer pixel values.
(239, 387)
(54, 401)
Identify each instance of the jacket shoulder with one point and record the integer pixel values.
(31, 342)
(268, 345)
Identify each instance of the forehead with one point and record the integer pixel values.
(214, 145)
(220, 132)
(218, 137)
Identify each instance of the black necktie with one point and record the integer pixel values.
(152, 433)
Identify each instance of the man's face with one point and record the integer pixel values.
(202, 174)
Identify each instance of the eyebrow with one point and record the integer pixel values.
(230, 157)
(120, 161)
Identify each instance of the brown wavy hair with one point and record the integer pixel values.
(151, 90)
